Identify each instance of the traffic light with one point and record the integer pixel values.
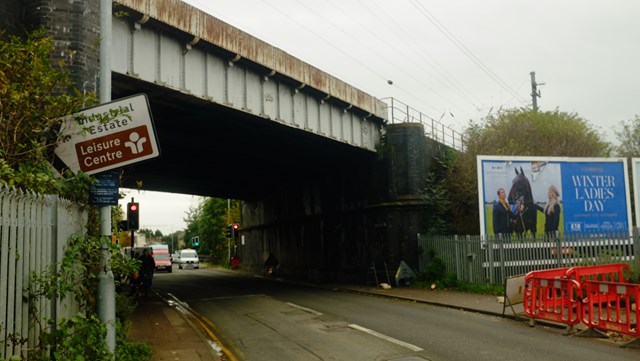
(195, 241)
(123, 225)
(133, 216)
(230, 231)
(236, 228)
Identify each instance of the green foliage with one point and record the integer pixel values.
(34, 95)
(482, 289)
(515, 132)
(82, 336)
(209, 222)
(436, 197)
(434, 272)
(629, 137)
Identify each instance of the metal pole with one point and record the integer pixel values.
(534, 91)
(106, 284)
(229, 222)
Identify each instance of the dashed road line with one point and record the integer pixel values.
(385, 337)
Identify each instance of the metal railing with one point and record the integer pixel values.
(487, 260)
(34, 230)
(402, 113)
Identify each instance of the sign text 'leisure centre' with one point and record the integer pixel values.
(109, 136)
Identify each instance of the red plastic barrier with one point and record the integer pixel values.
(557, 294)
(611, 306)
(603, 273)
(553, 299)
(532, 284)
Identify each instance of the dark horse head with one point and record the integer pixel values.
(521, 196)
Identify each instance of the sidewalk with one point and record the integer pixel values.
(171, 334)
(174, 336)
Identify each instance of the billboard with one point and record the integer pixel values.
(635, 165)
(545, 195)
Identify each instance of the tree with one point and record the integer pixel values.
(629, 137)
(34, 95)
(515, 132)
(209, 222)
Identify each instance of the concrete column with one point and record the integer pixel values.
(75, 26)
(407, 160)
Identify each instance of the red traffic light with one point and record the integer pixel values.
(236, 226)
(133, 216)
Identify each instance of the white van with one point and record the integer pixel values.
(188, 258)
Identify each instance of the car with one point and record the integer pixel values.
(161, 257)
(188, 258)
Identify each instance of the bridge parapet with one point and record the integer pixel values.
(174, 45)
(402, 113)
(204, 27)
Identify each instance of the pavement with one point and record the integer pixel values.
(175, 334)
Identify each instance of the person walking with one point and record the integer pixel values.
(147, 267)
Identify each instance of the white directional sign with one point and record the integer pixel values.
(109, 136)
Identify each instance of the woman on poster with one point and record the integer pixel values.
(502, 216)
(551, 213)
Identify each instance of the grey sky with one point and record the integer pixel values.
(463, 57)
(457, 60)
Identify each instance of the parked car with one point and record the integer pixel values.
(188, 258)
(161, 257)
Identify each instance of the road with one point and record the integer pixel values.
(263, 319)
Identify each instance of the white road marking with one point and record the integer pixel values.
(304, 309)
(384, 337)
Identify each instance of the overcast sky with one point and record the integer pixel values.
(457, 60)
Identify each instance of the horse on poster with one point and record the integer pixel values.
(521, 196)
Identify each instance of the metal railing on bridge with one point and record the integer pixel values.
(402, 113)
(487, 260)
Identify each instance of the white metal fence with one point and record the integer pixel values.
(487, 260)
(34, 230)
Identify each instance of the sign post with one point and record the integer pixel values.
(103, 138)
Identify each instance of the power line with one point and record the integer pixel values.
(457, 43)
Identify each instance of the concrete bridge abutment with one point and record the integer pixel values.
(336, 227)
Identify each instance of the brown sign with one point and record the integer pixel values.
(114, 148)
(109, 136)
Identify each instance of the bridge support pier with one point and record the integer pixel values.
(335, 227)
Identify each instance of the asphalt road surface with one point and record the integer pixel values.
(263, 319)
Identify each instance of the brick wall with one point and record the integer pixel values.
(75, 26)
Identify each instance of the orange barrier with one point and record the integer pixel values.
(557, 294)
(604, 273)
(532, 282)
(553, 299)
(611, 306)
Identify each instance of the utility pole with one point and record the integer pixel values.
(106, 282)
(228, 222)
(535, 93)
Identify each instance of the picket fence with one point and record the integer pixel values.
(485, 260)
(34, 230)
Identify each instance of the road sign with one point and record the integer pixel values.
(109, 136)
(104, 192)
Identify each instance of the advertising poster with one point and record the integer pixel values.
(545, 195)
(635, 165)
